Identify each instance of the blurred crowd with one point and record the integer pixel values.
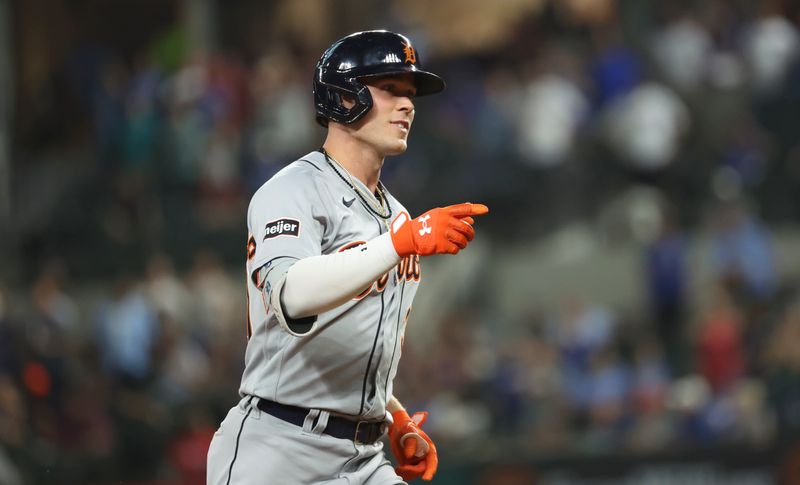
(700, 102)
(585, 378)
(127, 383)
(129, 380)
(697, 100)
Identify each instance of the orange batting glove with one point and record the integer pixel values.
(414, 450)
(444, 230)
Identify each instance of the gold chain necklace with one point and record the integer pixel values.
(384, 210)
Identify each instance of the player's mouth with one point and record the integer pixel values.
(404, 125)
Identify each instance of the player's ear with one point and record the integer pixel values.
(347, 101)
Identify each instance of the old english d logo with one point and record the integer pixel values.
(411, 54)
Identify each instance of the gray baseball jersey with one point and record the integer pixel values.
(346, 361)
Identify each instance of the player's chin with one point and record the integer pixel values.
(397, 147)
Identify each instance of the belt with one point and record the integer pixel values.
(364, 432)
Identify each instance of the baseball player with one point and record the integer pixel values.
(333, 263)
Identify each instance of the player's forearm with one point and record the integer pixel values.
(320, 283)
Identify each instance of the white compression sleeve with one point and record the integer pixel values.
(319, 283)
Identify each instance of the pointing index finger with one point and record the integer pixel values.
(467, 209)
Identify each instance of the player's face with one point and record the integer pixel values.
(387, 124)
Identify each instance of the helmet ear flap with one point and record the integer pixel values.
(335, 99)
(329, 104)
(331, 107)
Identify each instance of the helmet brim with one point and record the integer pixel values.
(425, 82)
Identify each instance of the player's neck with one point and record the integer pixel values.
(362, 161)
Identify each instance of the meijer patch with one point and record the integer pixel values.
(282, 227)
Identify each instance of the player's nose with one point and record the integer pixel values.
(405, 104)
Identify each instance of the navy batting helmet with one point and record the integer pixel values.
(364, 54)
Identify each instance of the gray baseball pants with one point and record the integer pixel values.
(252, 447)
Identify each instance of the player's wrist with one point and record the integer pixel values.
(402, 239)
(400, 420)
(400, 415)
(384, 244)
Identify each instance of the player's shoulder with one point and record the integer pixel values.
(305, 172)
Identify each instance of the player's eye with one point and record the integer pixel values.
(398, 91)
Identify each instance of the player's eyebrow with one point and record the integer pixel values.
(395, 87)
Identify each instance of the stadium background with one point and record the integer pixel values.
(627, 314)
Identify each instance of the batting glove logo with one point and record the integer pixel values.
(425, 229)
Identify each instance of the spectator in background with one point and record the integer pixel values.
(219, 165)
(276, 132)
(646, 126)
(108, 112)
(143, 116)
(580, 331)
(216, 299)
(782, 369)
(610, 381)
(770, 46)
(13, 413)
(615, 69)
(127, 338)
(167, 293)
(185, 367)
(52, 302)
(13, 430)
(189, 120)
(755, 421)
(743, 259)
(552, 108)
(665, 270)
(227, 98)
(720, 351)
(85, 422)
(496, 117)
(651, 429)
(50, 334)
(747, 152)
(126, 334)
(183, 361)
(506, 391)
(682, 49)
(547, 420)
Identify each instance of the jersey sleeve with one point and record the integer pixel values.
(287, 218)
(288, 222)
